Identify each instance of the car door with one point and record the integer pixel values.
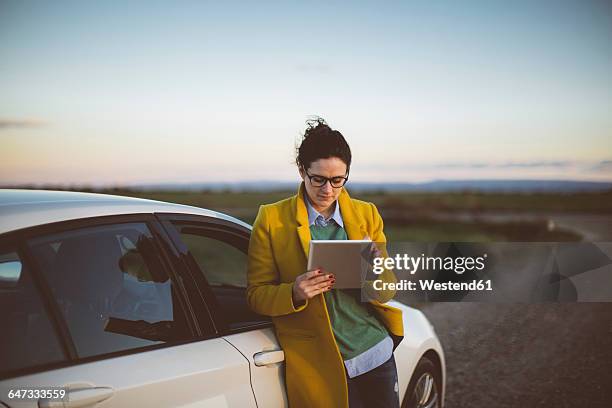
(102, 308)
(216, 250)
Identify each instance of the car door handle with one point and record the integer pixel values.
(81, 397)
(264, 358)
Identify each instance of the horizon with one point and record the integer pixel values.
(434, 186)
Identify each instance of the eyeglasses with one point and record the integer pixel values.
(319, 181)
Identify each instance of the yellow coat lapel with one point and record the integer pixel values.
(354, 225)
(301, 216)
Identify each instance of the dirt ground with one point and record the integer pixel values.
(525, 355)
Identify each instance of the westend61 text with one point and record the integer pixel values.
(429, 284)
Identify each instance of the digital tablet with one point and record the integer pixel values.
(348, 260)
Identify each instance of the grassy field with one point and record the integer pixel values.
(426, 217)
(422, 203)
(415, 216)
(516, 202)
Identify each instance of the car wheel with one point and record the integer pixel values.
(425, 386)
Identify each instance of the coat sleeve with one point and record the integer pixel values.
(265, 293)
(378, 237)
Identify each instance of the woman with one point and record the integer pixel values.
(338, 350)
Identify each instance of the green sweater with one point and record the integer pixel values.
(355, 328)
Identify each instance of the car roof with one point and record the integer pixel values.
(28, 208)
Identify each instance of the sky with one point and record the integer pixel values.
(124, 93)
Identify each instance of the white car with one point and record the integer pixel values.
(121, 302)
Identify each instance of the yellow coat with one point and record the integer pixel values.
(278, 253)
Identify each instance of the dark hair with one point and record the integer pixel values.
(321, 142)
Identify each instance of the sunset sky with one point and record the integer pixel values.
(149, 92)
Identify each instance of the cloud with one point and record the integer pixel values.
(21, 123)
(603, 166)
(540, 164)
(534, 165)
(509, 165)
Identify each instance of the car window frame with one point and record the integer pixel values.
(210, 223)
(190, 304)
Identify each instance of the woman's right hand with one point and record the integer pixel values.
(310, 284)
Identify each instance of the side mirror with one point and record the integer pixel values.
(10, 272)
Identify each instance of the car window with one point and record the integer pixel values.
(111, 287)
(27, 338)
(221, 257)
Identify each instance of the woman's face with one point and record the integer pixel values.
(323, 197)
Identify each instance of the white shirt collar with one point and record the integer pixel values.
(313, 214)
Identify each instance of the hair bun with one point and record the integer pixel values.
(321, 142)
